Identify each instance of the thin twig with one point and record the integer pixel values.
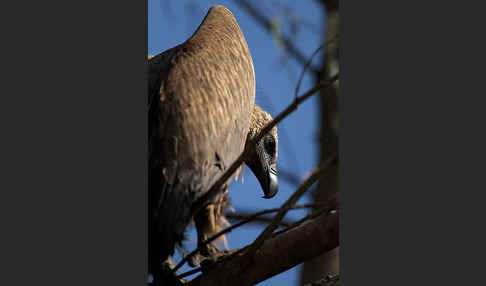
(190, 272)
(260, 18)
(308, 63)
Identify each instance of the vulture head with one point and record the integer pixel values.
(263, 158)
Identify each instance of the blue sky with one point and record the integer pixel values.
(173, 21)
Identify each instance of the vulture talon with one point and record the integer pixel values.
(208, 254)
(211, 255)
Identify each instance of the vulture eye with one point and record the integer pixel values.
(270, 145)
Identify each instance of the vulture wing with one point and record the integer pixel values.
(201, 96)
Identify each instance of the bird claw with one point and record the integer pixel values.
(208, 256)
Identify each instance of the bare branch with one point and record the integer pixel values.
(190, 272)
(260, 18)
(277, 254)
(307, 64)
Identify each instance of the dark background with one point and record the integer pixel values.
(74, 143)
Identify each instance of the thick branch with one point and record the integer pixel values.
(278, 254)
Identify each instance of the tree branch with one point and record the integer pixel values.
(278, 254)
(307, 64)
(267, 25)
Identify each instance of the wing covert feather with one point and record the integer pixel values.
(201, 95)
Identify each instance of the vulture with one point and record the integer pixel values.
(201, 113)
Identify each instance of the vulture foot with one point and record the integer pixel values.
(209, 221)
(209, 255)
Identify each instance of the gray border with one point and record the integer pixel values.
(74, 144)
(408, 115)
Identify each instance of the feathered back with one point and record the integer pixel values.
(201, 96)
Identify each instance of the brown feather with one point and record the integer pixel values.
(201, 96)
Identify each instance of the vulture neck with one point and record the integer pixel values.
(259, 118)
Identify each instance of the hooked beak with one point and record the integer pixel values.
(266, 174)
(271, 188)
